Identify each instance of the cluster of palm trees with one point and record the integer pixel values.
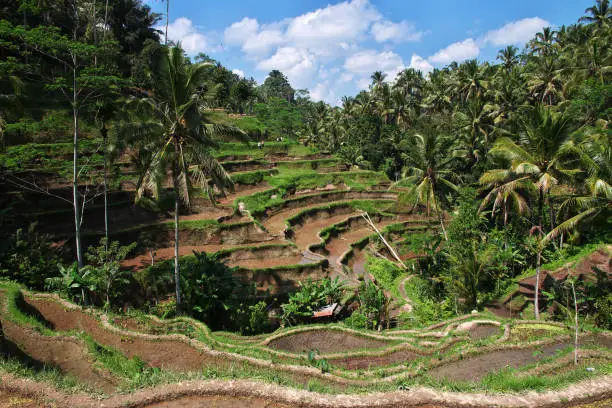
(531, 130)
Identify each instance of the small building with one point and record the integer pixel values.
(328, 312)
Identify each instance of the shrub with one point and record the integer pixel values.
(29, 257)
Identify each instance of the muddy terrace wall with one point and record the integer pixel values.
(284, 279)
(163, 234)
(262, 252)
(246, 165)
(339, 228)
(306, 200)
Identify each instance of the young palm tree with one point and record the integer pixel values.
(427, 168)
(175, 136)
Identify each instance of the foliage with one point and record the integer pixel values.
(310, 296)
(28, 257)
(373, 305)
(106, 271)
(72, 282)
(384, 271)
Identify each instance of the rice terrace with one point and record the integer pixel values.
(175, 233)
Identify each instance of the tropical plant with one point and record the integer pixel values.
(72, 279)
(105, 261)
(175, 135)
(427, 167)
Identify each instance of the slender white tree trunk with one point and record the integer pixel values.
(575, 325)
(167, 20)
(177, 276)
(75, 169)
(104, 134)
(537, 286)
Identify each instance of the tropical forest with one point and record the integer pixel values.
(175, 234)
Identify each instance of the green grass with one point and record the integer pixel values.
(14, 298)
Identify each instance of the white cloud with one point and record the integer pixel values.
(346, 77)
(297, 64)
(238, 72)
(517, 32)
(239, 32)
(323, 49)
(328, 27)
(458, 52)
(363, 83)
(182, 30)
(323, 91)
(397, 32)
(366, 62)
(421, 64)
(261, 44)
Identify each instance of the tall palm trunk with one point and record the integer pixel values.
(551, 210)
(537, 285)
(104, 132)
(167, 20)
(177, 276)
(75, 168)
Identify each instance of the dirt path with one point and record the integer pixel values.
(595, 393)
(475, 368)
(68, 354)
(402, 289)
(167, 354)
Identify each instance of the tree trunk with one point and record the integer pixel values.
(104, 132)
(105, 20)
(152, 258)
(177, 276)
(541, 208)
(537, 286)
(167, 20)
(575, 325)
(82, 295)
(551, 211)
(75, 170)
(442, 225)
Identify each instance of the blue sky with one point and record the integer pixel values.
(331, 48)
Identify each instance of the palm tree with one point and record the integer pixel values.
(599, 14)
(475, 124)
(378, 78)
(437, 92)
(539, 154)
(544, 81)
(543, 42)
(506, 193)
(175, 135)
(595, 191)
(471, 80)
(427, 168)
(508, 57)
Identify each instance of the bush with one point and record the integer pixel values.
(357, 320)
(603, 314)
(29, 257)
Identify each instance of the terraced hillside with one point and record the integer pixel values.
(295, 214)
(113, 352)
